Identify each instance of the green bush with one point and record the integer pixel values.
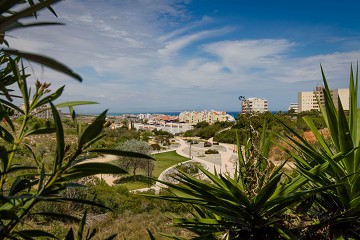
(211, 151)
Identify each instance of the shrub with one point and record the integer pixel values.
(211, 151)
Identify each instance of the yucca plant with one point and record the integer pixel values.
(24, 184)
(252, 204)
(337, 210)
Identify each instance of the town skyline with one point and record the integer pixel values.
(164, 55)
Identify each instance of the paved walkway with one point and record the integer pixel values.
(226, 164)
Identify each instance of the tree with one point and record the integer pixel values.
(133, 164)
(155, 147)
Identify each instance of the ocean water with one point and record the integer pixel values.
(234, 114)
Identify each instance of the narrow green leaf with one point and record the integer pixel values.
(111, 237)
(81, 226)
(60, 139)
(74, 103)
(150, 235)
(46, 61)
(21, 83)
(19, 185)
(42, 177)
(9, 20)
(6, 135)
(8, 215)
(36, 129)
(6, 5)
(91, 168)
(266, 192)
(34, 233)
(331, 114)
(70, 235)
(317, 134)
(4, 159)
(58, 216)
(299, 181)
(93, 130)
(234, 188)
(355, 203)
(353, 111)
(345, 140)
(18, 24)
(355, 188)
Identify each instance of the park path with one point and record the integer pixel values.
(226, 164)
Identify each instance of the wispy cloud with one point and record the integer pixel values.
(176, 45)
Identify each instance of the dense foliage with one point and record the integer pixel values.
(225, 132)
(254, 122)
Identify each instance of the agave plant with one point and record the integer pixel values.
(23, 184)
(252, 204)
(337, 210)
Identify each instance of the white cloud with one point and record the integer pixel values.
(241, 55)
(176, 45)
(179, 31)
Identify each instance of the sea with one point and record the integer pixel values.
(234, 114)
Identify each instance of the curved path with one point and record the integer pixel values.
(227, 165)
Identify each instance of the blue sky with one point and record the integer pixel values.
(172, 55)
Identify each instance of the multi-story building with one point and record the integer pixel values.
(170, 127)
(254, 105)
(208, 116)
(306, 101)
(310, 100)
(294, 107)
(344, 95)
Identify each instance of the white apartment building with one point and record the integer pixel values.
(208, 116)
(344, 95)
(310, 100)
(307, 101)
(172, 128)
(294, 106)
(254, 105)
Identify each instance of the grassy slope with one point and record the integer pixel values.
(162, 161)
(165, 160)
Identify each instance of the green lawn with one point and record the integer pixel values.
(162, 161)
(165, 160)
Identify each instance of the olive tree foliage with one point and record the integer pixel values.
(133, 164)
(24, 184)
